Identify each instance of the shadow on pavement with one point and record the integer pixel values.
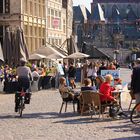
(40, 115)
(86, 119)
(125, 128)
(128, 138)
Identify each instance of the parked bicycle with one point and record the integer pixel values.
(135, 114)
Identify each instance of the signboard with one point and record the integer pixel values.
(114, 73)
(56, 22)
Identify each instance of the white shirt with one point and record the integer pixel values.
(91, 72)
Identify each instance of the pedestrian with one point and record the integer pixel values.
(65, 69)
(72, 75)
(92, 72)
(84, 71)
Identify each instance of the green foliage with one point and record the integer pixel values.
(29, 64)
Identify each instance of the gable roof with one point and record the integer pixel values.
(98, 14)
(80, 13)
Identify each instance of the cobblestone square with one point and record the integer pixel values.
(41, 121)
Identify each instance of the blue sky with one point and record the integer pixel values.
(83, 2)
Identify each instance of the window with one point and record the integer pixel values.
(36, 9)
(64, 26)
(52, 12)
(7, 6)
(1, 34)
(25, 6)
(48, 11)
(64, 3)
(31, 8)
(49, 21)
(1, 6)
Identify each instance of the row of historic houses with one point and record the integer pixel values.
(43, 21)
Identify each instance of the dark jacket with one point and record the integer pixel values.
(72, 72)
(92, 88)
(135, 82)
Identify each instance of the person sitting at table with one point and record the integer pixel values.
(99, 81)
(67, 92)
(106, 96)
(88, 85)
(106, 90)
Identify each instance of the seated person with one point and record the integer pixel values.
(67, 92)
(99, 81)
(106, 90)
(88, 86)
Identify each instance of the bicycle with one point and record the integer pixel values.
(23, 98)
(135, 114)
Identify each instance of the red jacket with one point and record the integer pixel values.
(106, 89)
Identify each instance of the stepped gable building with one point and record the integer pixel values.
(30, 15)
(80, 23)
(115, 23)
(59, 22)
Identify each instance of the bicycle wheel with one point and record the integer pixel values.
(21, 107)
(135, 114)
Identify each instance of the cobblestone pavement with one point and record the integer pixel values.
(41, 121)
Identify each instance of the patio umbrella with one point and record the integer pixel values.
(54, 56)
(20, 48)
(36, 56)
(77, 55)
(7, 50)
(48, 50)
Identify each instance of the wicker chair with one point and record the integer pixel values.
(66, 101)
(91, 100)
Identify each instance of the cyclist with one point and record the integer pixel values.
(24, 77)
(135, 87)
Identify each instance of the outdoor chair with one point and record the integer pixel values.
(132, 99)
(66, 101)
(91, 100)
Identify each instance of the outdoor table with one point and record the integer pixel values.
(117, 95)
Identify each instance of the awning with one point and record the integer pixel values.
(48, 50)
(77, 55)
(36, 56)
